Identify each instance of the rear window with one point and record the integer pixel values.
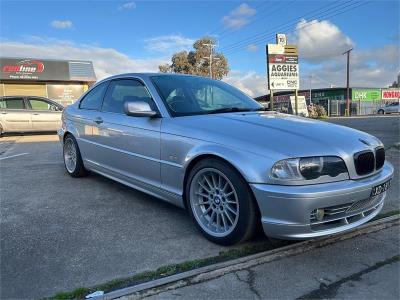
(12, 103)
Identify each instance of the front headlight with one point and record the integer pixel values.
(308, 170)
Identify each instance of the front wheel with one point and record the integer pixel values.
(72, 158)
(220, 202)
(381, 112)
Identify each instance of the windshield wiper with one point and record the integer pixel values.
(228, 109)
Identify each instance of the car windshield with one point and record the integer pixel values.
(192, 95)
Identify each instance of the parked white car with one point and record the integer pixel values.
(27, 114)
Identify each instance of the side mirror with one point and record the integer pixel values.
(139, 109)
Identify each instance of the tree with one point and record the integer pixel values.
(197, 62)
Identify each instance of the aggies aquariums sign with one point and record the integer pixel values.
(33, 69)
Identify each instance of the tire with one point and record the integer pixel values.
(381, 112)
(214, 192)
(1, 131)
(72, 157)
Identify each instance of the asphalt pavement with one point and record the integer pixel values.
(363, 267)
(58, 233)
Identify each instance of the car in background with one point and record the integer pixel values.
(389, 108)
(29, 114)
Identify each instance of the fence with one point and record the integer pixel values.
(336, 108)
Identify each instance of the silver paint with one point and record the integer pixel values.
(155, 154)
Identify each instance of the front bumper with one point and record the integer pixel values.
(288, 212)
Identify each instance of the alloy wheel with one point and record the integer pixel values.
(70, 155)
(214, 202)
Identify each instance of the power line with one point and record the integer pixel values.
(273, 29)
(223, 28)
(333, 11)
(260, 16)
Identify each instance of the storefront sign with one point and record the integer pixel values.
(334, 94)
(390, 94)
(64, 93)
(366, 94)
(283, 67)
(40, 69)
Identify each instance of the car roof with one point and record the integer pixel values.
(146, 75)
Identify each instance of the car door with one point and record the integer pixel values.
(130, 145)
(45, 115)
(14, 115)
(86, 122)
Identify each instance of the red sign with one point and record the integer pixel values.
(25, 66)
(390, 94)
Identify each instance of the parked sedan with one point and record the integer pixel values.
(26, 114)
(389, 108)
(205, 146)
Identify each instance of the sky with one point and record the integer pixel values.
(138, 36)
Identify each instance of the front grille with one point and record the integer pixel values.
(364, 162)
(343, 214)
(379, 157)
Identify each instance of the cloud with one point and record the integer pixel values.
(239, 16)
(376, 67)
(252, 47)
(127, 6)
(106, 61)
(320, 40)
(251, 83)
(321, 44)
(59, 24)
(169, 44)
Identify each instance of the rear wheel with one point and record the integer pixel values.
(72, 158)
(1, 131)
(381, 112)
(220, 202)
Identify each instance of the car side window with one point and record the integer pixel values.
(39, 104)
(12, 103)
(94, 98)
(123, 90)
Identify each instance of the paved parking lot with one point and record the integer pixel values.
(59, 233)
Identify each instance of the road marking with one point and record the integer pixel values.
(11, 156)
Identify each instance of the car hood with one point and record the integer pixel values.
(274, 135)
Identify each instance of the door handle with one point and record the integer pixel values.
(3, 113)
(98, 120)
(36, 114)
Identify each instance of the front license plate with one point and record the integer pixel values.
(379, 189)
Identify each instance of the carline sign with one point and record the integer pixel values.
(45, 70)
(283, 67)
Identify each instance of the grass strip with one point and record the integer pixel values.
(164, 271)
(168, 270)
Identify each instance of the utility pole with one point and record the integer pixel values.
(210, 58)
(348, 82)
(309, 98)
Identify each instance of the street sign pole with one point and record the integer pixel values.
(296, 101)
(271, 99)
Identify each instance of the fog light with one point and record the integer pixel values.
(320, 213)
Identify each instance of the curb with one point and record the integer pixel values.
(217, 270)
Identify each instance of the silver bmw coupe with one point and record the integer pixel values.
(205, 146)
